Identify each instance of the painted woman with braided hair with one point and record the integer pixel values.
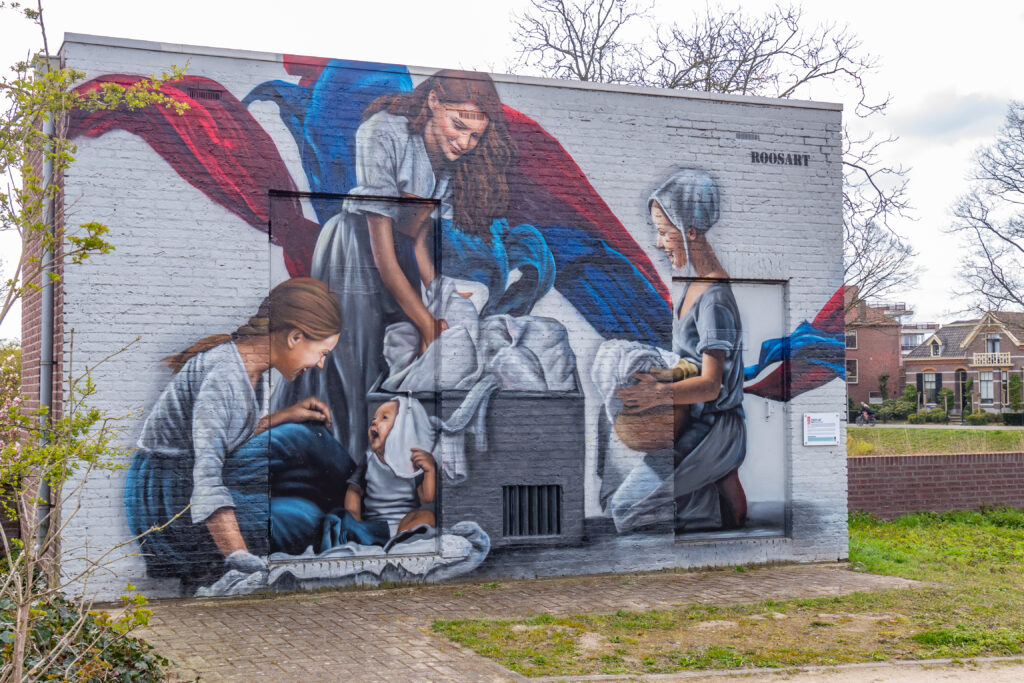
(209, 445)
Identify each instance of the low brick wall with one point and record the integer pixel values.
(892, 485)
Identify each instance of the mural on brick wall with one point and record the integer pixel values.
(427, 421)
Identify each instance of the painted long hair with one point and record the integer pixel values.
(302, 304)
(479, 187)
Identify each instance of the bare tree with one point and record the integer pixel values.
(773, 54)
(876, 262)
(990, 216)
(577, 39)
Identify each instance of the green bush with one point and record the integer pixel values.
(100, 651)
(1013, 419)
(1016, 391)
(935, 415)
(994, 418)
(895, 409)
(910, 394)
(945, 398)
(916, 419)
(977, 419)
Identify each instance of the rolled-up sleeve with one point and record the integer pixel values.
(717, 328)
(217, 423)
(377, 163)
(358, 477)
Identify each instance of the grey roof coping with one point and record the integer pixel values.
(181, 48)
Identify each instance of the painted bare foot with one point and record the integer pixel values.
(733, 501)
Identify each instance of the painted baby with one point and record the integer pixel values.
(397, 483)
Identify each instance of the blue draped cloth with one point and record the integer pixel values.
(604, 286)
(807, 343)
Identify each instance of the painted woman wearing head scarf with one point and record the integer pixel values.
(706, 331)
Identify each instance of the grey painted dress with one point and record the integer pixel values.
(714, 442)
(390, 162)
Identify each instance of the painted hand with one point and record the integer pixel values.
(430, 332)
(684, 369)
(423, 460)
(647, 394)
(307, 410)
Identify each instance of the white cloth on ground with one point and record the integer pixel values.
(423, 558)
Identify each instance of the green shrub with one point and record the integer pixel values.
(883, 385)
(856, 447)
(910, 394)
(994, 418)
(1013, 419)
(945, 398)
(1016, 397)
(916, 419)
(100, 651)
(977, 419)
(895, 409)
(935, 415)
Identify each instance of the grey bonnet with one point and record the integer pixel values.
(689, 198)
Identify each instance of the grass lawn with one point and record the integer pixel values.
(975, 561)
(907, 441)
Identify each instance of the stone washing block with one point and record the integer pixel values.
(526, 487)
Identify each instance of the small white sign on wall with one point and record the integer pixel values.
(821, 429)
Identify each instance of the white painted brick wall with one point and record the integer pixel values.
(185, 268)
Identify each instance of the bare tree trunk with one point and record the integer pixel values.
(20, 639)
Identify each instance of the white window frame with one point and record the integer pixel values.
(931, 395)
(851, 334)
(854, 379)
(991, 347)
(986, 386)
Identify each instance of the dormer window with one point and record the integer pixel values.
(992, 343)
(935, 347)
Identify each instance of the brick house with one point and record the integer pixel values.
(872, 351)
(985, 353)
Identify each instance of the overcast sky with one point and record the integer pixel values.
(950, 73)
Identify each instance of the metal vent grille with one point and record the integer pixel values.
(747, 136)
(201, 94)
(531, 510)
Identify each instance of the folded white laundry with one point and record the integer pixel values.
(525, 353)
(501, 352)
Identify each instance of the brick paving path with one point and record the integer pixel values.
(383, 635)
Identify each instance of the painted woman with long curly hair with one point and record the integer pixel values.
(444, 143)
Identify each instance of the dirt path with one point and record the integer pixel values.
(973, 671)
(383, 635)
